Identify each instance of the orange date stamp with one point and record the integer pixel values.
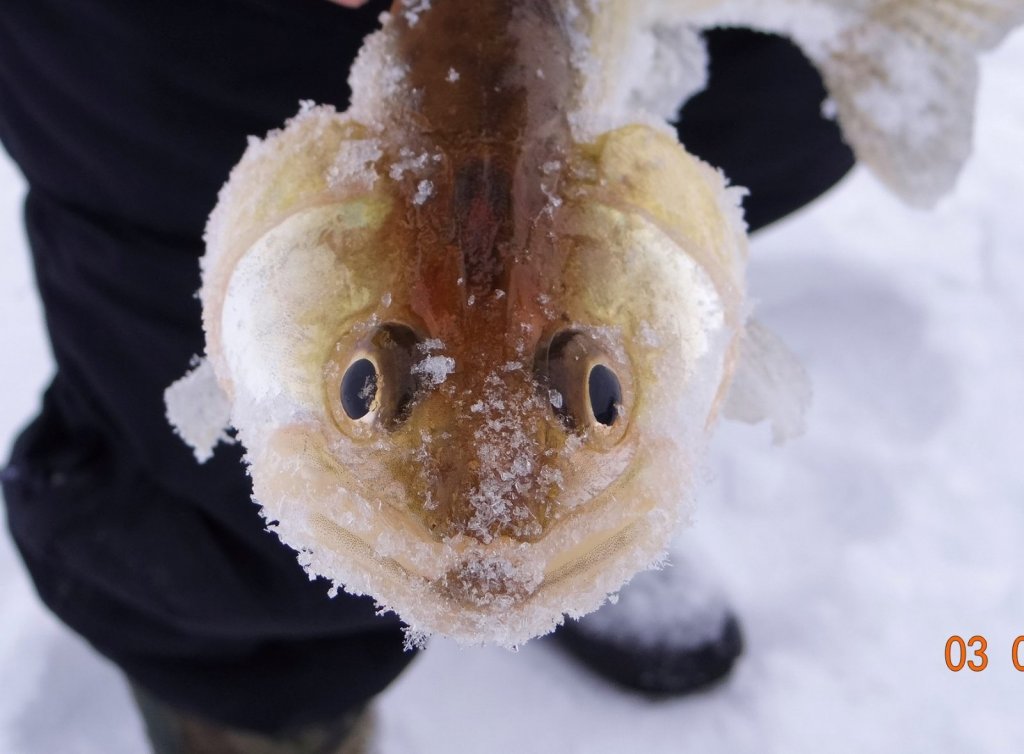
(973, 653)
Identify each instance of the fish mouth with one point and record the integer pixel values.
(486, 585)
(595, 550)
(505, 592)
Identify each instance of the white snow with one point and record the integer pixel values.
(414, 9)
(435, 369)
(424, 190)
(679, 606)
(355, 162)
(851, 554)
(198, 410)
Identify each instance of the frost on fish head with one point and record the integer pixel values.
(473, 376)
(473, 332)
(484, 443)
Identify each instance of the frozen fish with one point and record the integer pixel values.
(475, 331)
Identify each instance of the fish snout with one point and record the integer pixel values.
(489, 472)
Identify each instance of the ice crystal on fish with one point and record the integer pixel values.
(355, 164)
(424, 190)
(435, 369)
(414, 9)
(198, 410)
(410, 163)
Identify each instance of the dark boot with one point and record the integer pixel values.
(670, 632)
(172, 731)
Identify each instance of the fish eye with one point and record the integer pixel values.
(369, 380)
(584, 384)
(359, 388)
(605, 394)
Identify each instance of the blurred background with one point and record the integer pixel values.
(852, 554)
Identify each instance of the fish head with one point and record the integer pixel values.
(484, 436)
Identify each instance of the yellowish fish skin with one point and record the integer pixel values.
(497, 261)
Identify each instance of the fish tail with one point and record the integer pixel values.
(902, 75)
(903, 83)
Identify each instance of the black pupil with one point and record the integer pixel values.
(359, 388)
(605, 394)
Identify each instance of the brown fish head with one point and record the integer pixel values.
(509, 421)
(473, 369)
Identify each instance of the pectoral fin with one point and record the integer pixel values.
(769, 383)
(199, 410)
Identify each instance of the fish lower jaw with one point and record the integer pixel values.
(505, 593)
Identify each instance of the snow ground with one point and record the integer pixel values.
(852, 554)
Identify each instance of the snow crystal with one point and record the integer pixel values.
(431, 344)
(554, 201)
(198, 410)
(410, 162)
(369, 388)
(507, 458)
(414, 9)
(452, 76)
(355, 162)
(494, 581)
(829, 109)
(378, 78)
(424, 191)
(435, 369)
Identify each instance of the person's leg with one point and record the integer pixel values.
(760, 120)
(125, 118)
(212, 624)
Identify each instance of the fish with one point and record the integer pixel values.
(476, 331)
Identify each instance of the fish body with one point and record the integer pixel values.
(475, 331)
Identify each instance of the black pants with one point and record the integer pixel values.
(125, 118)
